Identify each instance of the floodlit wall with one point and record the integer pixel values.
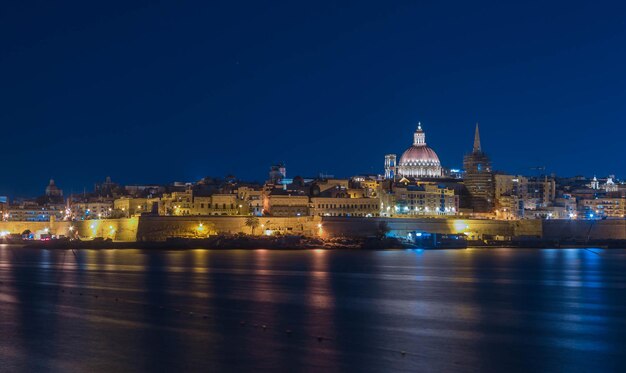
(159, 228)
(473, 228)
(116, 229)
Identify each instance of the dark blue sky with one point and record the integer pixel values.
(162, 91)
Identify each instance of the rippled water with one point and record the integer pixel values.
(381, 311)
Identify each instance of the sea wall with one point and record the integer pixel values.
(159, 228)
(37, 228)
(584, 229)
(473, 228)
(116, 229)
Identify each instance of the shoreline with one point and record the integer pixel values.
(299, 243)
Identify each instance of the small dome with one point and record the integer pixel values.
(52, 190)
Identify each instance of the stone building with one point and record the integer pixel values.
(283, 203)
(541, 193)
(216, 204)
(129, 206)
(346, 206)
(603, 207)
(82, 210)
(406, 198)
(510, 192)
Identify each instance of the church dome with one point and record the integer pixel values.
(419, 160)
(52, 190)
(419, 155)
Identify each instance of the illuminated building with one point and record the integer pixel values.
(603, 207)
(216, 204)
(133, 206)
(541, 192)
(510, 195)
(329, 206)
(508, 207)
(610, 185)
(91, 210)
(368, 184)
(282, 203)
(341, 200)
(29, 210)
(479, 178)
(418, 161)
(420, 199)
(252, 198)
(177, 202)
(4, 204)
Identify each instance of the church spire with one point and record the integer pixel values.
(477, 148)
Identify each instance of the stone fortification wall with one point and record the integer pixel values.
(36, 227)
(583, 229)
(116, 229)
(474, 228)
(159, 228)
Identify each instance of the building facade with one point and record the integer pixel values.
(603, 207)
(346, 206)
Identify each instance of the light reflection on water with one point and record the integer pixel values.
(476, 309)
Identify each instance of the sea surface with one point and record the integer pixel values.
(497, 310)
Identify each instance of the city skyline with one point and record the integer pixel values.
(352, 186)
(382, 173)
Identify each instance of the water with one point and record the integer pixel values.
(203, 310)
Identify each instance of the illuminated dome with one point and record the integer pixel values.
(419, 160)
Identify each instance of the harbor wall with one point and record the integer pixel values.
(473, 228)
(584, 229)
(159, 228)
(115, 229)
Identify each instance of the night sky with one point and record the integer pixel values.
(154, 92)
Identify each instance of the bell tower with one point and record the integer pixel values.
(390, 166)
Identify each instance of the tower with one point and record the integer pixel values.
(479, 177)
(390, 166)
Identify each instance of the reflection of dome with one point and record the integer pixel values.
(419, 160)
